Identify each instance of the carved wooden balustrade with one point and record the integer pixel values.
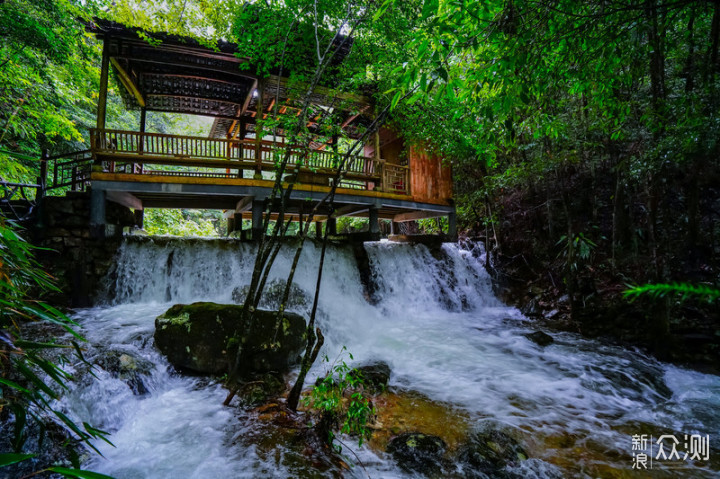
(203, 157)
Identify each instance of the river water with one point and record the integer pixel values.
(575, 404)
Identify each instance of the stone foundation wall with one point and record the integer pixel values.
(78, 261)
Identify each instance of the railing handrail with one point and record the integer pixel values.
(67, 155)
(245, 141)
(22, 185)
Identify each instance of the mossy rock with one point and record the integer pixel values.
(199, 337)
(375, 376)
(489, 452)
(415, 451)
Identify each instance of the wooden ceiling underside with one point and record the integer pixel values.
(180, 76)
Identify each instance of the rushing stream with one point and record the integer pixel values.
(575, 403)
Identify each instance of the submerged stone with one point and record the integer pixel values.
(199, 337)
(128, 368)
(260, 390)
(415, 451)
(540, 338)
(488, 453)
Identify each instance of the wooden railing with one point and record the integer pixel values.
(71, 169)
(131, 147)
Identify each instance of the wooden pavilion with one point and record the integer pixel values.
(233, 167)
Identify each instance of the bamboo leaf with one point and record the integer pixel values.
(78, 473)
(8, 459)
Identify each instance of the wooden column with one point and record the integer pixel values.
(242, 131)
(376, 136)
(374, 223)
(139, 218)
(318, 229)
(230, 225)
(258, 132)
(102, 93)
(42, 179)
(141, 140)
(258, 207)
(452, 226)
(97, 213)
(332, 225)
(237, 221)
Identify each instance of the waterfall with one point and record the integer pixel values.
(433, 318)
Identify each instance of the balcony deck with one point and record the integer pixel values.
(151, 170)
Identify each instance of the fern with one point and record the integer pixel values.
(685, 290)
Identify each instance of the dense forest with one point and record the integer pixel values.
(584, 138)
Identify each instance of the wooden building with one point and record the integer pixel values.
(233, 168)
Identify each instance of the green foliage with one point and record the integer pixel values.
(348, 224)
(184, 222)
(685, 291)
(576, 252)
(30, 382)
(340, 401)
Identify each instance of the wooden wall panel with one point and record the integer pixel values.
(430, 180)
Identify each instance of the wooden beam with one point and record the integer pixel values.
(127, 82)
(102, 93)
(353, 117)
(349, 210)
(188, 97)
(125, 199)
(244, 204)
(416, 215)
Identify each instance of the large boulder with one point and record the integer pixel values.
(199, 337)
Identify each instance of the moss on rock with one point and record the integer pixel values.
(201, 337)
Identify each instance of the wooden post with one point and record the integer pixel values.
(258, 207)
(241, 145)
(331, 224)
(102, 94)
(42, 180)
(141, 140)
(452, 226)
(374, 224)
(383, 187)
(139, 218)
(230, 225)
(97, 213)
(318, 229)
(258, 132)
(237, 221)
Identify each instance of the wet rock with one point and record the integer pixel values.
(375, 376)
(199, 337)
(273, 295)
(540, 338)
(127, 368)
(488, 453)
(260, 390)
(532, 309)
(415, 451)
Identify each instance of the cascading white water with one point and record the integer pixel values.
(435, 322)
